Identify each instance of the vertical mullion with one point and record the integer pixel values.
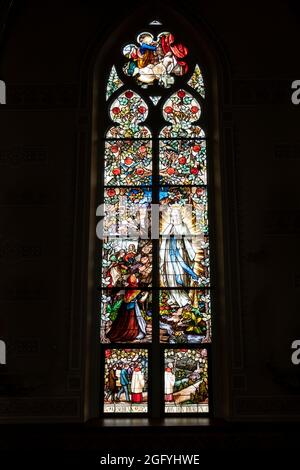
(156, 372)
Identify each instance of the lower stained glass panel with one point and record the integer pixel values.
(185, 316)
(126, 381)
(186, 381)
(126, 315)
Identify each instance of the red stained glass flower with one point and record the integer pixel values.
(182, 160)
(181, 94)
(140, 171)
(107, 353)
(114, 148)
(115, 110)
(116, 171)
(110, 192)
(143, 149)
(142, 109)
(194, 109)
(170, 171)
(168, 109)
(129, 94)
(194, 171)
(196, 148)
(128, 161)
(199, 191)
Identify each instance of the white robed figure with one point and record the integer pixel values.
(169, 384)
(176, 257)
(137, 385)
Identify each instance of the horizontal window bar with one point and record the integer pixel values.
(157, 186)
(151, 139)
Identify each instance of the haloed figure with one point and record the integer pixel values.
(177, 257)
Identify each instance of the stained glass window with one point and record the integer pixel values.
(186, 380)
(113, 83)
(155, 59)
(155, 99)
(196, 81)
(125, 381)
(154, 277)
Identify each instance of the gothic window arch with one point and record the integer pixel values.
(153, 259)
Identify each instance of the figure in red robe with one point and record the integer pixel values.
(129, 324)
(178, 50)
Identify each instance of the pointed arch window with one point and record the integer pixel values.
(154, 260)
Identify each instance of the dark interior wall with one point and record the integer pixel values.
(43, 51)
